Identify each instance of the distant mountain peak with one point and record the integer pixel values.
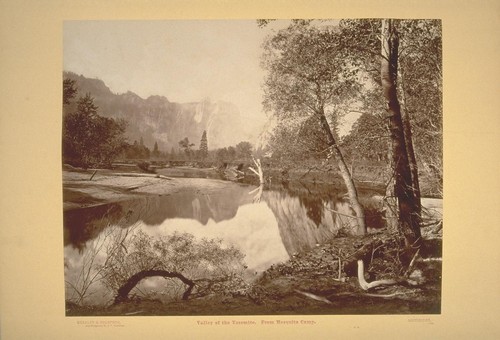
(156, 98)
(156, 119)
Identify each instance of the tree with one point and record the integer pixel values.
(420, 90)
(204, 146)
(375, 41)
(221, 155)
(69, 90)
(231, 153)
(90, 139)
(308, 76)
(187, 146)
(408, 53)
(367, 139)
(137, 151)
(300, 140)
(242, 151)
(408, 202)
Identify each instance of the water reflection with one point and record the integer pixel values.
(267, 226)
(84, 224)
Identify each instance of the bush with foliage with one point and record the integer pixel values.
(212, 266)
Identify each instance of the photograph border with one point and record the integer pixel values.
(32, 278)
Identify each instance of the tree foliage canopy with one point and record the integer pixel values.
(202, 261)
(90, 139)
(307, 73)
(187, 146)
(368, 138)
(69, 90)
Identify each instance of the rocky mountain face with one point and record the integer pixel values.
(156, 119)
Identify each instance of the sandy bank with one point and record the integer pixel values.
(105, 187)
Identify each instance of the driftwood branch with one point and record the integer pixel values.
(365, 285)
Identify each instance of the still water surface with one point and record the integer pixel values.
(267, 226)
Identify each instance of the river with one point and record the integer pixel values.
(267, 225)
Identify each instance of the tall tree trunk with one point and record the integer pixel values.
(346, 176)
(390, 203)
(409, 145)
(409, 219)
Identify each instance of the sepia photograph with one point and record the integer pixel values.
(252, 167)
(249, 169)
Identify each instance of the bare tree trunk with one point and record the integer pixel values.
(409, 219)
(409, 146)
(346, 176)
(390, 202)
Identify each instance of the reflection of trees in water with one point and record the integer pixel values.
(299, 188)
(314, 208)
(85, 224)
(297, 230)
(311, 214)
(81, 225)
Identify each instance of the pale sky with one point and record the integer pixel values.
(185, 61)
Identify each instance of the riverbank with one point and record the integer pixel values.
(83, 189)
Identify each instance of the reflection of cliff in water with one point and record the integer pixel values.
(81, 225)
(305, 216)
(305, 221)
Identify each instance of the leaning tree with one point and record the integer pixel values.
(308, 76)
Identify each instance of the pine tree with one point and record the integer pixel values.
(204, 146)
